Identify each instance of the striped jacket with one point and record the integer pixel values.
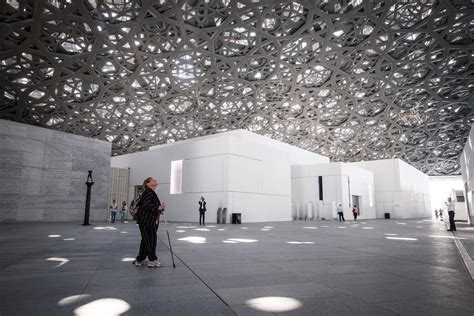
(148, 206)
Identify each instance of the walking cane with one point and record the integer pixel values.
(169, 242)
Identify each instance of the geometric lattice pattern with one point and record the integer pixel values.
(351, 80)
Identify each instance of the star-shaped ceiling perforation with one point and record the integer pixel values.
(352, 80)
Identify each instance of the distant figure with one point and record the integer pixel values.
(441, 214)
(436, 213)
(340, 212)
(123, 211)
(113, 210)
(451, 207)
(202, 210)
(355, 212)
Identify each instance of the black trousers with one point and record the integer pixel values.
(202, 215)
(355, 216)
(148, 242)
(452, 226)
(341, 216)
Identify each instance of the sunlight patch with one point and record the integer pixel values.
(401, 238)
(194, 239)
(274, 304)
(72, 299)
(103, 306)
(61, 261)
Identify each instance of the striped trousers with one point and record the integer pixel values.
(148, 242)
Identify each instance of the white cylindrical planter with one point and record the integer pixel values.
(309, 210)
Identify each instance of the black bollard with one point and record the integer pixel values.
(89, 184)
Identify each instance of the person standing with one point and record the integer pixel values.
(451, 207)
(113, 210)
(340, 212)
(202, 210)
(123, 211)
(149, 208)
(355, 212)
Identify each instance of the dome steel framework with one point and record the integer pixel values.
(351, 80)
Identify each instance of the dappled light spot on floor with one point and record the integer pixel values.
(446, 237)
(244, 240)
(69, 239)
(310, 227)
(180, 231)
(401, 223)
(391, 234)
(103, 306)
(265, 229)
(54, 236)
(221, 229)
(127, 259)
(194, 239)
(341, 227)
(269, 227)
(325, 226)
(211, 226)
(105, 228)
(368, 227)
(300, 242)
(61, 261)
(123, 232)
(72, 299)
(202, 229)
(401, 238)
(184, 227)
(244, 228)
(274, 304)
(229, 242)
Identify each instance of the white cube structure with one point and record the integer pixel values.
(242, 171)
(340, 183)
(400, 189)
(467, 171)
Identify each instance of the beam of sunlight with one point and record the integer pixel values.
(194, 239)
(274, 304)
(54, 236)
(445, 237)
(127, 259)
(202, 229)
(104, 307)
(61, 261)
(72, 299)
(401, 238)
(68, 239)
(105, 228)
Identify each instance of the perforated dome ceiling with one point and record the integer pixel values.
(351, 80)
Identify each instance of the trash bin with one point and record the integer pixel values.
(387, 215)
(236, 218)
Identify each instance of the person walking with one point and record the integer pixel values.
(150, 207)
(113, 210)
(340, 212)
(451, 207)
(202, 210)
(355, 212)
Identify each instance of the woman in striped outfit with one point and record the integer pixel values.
(149, 208)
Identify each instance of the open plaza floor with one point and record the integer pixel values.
(368, 267)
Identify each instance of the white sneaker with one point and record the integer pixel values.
(154, 264)
(140, 263)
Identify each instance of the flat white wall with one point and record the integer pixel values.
(400, 189)
(467, 172)
(242, 171)
(340, 182)
(442, 187)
